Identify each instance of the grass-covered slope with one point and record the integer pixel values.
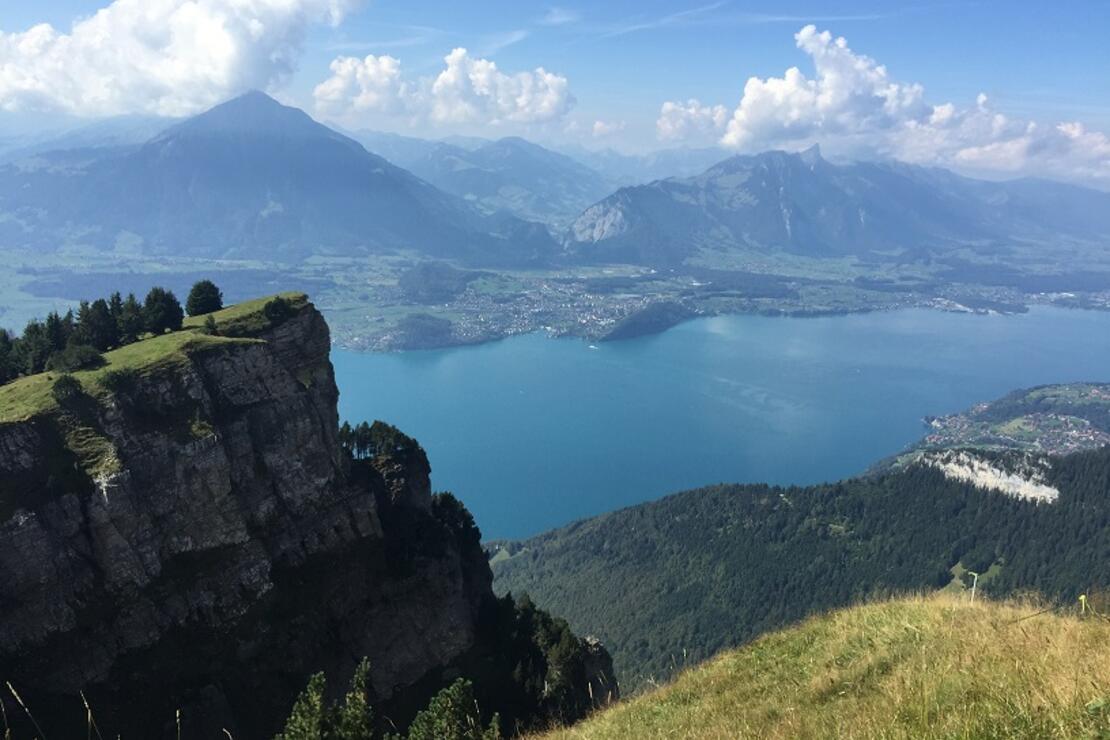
(31, 396)
(935, 667)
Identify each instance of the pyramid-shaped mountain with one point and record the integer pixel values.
(252, 178)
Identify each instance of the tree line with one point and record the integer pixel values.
(75, 340)
(365, 441)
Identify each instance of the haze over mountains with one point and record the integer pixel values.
(251, 178)
(254, 179)
(527, 179)
(803, 204)
(514, 175)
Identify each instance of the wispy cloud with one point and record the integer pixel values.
(556, 16)
(708, 14)
(495, 43)
(758, 18)
(682, 17)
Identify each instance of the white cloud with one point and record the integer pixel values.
(601, 129)
(853, 106)
(559, 17)
(165, 57)
(850, 93)
(690, 121)
(357, 85)
(467, 90)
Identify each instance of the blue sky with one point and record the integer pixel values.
(612, 66)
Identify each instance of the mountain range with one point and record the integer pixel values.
(515, 176)
(800, 203)
(250, 178)
(254, 179)
(529, 180)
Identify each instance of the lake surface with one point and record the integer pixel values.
(533, 432)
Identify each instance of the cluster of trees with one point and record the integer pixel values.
(671, 582)
(365, 441)
(74, 340)
(452, 714)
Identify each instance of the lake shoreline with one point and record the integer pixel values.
(939, 305)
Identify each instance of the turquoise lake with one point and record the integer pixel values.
(533, 432)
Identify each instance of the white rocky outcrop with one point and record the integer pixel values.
(1022, 477)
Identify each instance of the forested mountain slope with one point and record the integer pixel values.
(671, 582)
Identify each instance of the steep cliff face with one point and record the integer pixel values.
(198, 540)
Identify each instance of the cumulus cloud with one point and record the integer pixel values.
(850, 92)
(467, 90)
(690, 120)
(164, 57)
(852, 105)
(357, 85)
(601, 129)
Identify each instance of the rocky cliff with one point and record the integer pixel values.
(196, 538)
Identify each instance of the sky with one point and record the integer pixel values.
(993, 88)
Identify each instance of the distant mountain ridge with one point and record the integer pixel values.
(510, 175)
(802, 204)
(252, 178)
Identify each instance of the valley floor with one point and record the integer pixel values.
(922, 667)
(371, 306)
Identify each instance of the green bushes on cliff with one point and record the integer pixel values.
(75, 340)
(66, 388)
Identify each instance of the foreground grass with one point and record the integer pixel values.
(928, 667)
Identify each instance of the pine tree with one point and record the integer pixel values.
(204, 298)
(95, 325)
(115, 306)
(453, 715)
(58, 330)
(7, 368)
(130, 323)
(353, 718)
(33, 349)
(162, 311)
(313, 719)
(307, 720)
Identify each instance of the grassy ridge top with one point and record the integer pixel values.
(31, 396)
(926, 667)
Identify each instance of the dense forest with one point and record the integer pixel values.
(75, 340)
(669, 583)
